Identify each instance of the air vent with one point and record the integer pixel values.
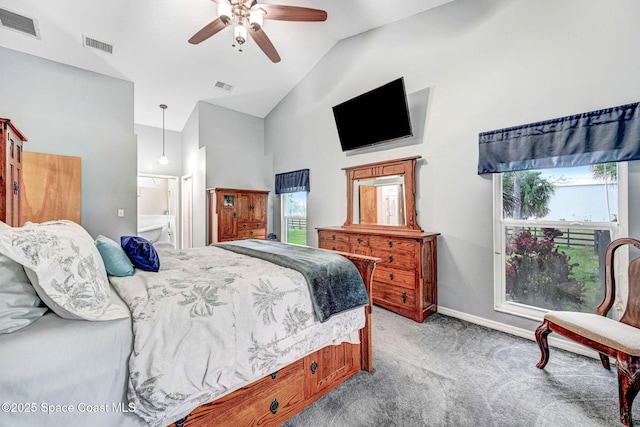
(97, 44)
(16, 22)
(223, 86)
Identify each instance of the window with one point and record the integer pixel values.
(294, 217)
(552, 227)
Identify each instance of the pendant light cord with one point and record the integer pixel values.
(163, 159)
(164, 107)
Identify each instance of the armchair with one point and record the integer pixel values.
(617, 339)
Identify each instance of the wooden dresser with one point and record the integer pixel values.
(237, 214)
(11, 140)
(405, 281)
(382, 222)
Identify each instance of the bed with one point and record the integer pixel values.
(232, 364)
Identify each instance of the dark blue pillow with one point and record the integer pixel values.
(141, 253)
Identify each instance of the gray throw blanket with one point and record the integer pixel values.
(334, 282)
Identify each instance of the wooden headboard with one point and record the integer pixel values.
(51, 187)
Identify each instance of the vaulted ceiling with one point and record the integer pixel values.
(150, 48)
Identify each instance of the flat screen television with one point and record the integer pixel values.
(377, 116)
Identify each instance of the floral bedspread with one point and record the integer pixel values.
(211, 321)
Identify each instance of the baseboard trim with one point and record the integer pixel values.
(530, 335)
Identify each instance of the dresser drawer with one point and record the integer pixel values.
(395, 259)
(252, 233)
(394, 243)
(268, 401)
(328, 244)
(333, 238)
(358, 240)
(272, 407)
(384, 293)
(250, 225)
(402, 278)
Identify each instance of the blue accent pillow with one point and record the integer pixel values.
(115, 259)
(141, 253)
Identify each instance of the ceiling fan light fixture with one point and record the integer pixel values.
(240, 33)
(224, 12)
(256, 18)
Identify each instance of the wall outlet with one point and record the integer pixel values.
(120, 212)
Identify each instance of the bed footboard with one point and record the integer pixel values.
(275, 398)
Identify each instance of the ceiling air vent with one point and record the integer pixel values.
(17, 22)
(223, 86)
(97, 44)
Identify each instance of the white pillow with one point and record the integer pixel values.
(19, 303)
(65, 267)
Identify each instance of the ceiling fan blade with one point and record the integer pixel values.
(207, 31)
(292, 13)
(265, 44)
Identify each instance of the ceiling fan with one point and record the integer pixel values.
(247, 16)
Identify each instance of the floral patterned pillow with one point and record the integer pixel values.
(65, 267)
(19, 303)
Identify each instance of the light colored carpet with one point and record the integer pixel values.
(448, 372)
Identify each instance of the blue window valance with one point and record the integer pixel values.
(610, 135)
(292, 182)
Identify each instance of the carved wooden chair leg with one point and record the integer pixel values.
(628, 385)
(541, 337)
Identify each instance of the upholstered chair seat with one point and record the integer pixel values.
(603, 330)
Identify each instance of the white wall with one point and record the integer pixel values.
(235, 155)
(69, 111)
(150, 149)
(487, 65)
(229, 146)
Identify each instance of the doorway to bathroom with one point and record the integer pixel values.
(158, 209)
(187, 211)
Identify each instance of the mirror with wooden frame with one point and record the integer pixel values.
(382, 195)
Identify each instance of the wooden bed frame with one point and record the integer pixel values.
(275, 398)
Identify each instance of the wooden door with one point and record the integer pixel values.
(243, 207)
(227, 217)
(259, 208)
(15, 163)
(10, 174)
(368, 204)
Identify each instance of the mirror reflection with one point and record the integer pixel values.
(379, 201)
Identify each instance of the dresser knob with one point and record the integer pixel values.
(274, 406)
(390, 258)
(404, 297)
(333, 236)
(391, 276)
(390, 243)
(359, 240)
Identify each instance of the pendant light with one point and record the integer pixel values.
(163, 160)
